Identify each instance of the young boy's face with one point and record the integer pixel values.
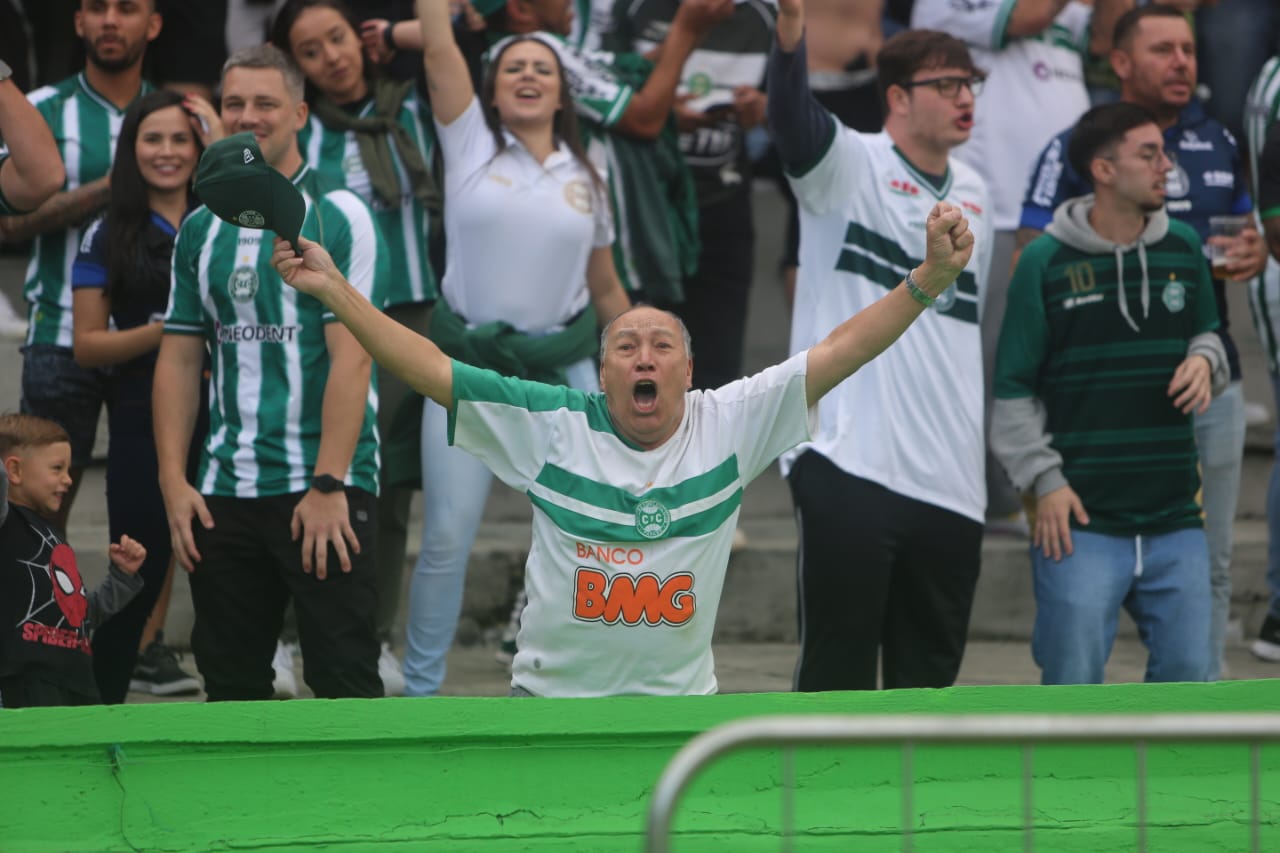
(39, 477)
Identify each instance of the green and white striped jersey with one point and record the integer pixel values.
(405, 227)
(1261, 110)
(85, 127)
(629, 546)
(269, 357)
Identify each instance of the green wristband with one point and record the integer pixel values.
(917, 293)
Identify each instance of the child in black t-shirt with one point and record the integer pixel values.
(46, 618)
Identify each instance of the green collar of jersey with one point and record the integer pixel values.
(939, 185)
(143, 88)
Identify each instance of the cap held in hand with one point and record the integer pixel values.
(237, 183)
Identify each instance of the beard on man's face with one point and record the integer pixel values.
(122, 61)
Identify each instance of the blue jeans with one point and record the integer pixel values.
(1220, 443)
(455, 487)
(1162, 581)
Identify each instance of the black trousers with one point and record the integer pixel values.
(135, 508)
(32, 691)
(249, 570)
(880, 576)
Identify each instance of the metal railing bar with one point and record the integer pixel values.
(1255, 796)
(795, 730)
(1140, 758)
(1028, 798)
(788, 797)
(908, 797)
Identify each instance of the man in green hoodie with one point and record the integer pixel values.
(1105, 351)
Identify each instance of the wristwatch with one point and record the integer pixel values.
(326, 484)
(5, 71)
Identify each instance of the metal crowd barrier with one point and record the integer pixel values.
(790, 732)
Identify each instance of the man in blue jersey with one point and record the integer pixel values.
(1154, 56)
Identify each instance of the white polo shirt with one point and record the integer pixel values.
(519, 232)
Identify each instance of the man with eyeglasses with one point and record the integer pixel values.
(889, 494)
(1032, 52)
(1154, 56)
(1107, 349)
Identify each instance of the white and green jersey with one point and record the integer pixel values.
(267, 341)
(85, 127)
(1261, 110)
(406, 227)
(1034, 90)
(862, 219)
(629, 546)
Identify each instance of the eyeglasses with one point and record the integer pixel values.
(948, 87)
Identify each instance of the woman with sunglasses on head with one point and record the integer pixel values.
(529, 278)
(374, 136)
(120, 285)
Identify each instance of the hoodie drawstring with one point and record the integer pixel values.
(1144, 293)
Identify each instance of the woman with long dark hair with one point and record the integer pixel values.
(374, 136)
(528, 278)
(120, 287)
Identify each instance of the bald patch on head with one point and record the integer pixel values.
(676, 324)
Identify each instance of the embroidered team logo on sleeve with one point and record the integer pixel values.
(652, 519)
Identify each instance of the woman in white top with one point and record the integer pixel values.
(528, 276)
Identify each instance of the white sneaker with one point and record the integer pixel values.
(390, 673)
(1256, 414)
(1265, 650)
(285, 683)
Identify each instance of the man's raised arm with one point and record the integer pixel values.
(865, 335)
(801, 127)
(413, 358)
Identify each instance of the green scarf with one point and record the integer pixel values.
(500, 346)
(372, 139)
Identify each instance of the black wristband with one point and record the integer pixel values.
(389, 36)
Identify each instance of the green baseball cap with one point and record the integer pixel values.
(487, 7)
(237, 183)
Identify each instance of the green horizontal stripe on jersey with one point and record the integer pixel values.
(1171, 258)
(1126, 349)
(530, 396)
(1100, 377)
(863, 265)
(612, 498)
(895, 256)
(1090, 438)
(585, 527)
(1144, 461)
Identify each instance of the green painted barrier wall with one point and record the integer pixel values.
(503, 774)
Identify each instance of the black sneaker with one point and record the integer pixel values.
(1267, 646)
(157, 671)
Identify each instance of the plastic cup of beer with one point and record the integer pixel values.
(1227, 230)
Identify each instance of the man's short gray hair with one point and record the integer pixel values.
(269, 56)
(684, 330)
